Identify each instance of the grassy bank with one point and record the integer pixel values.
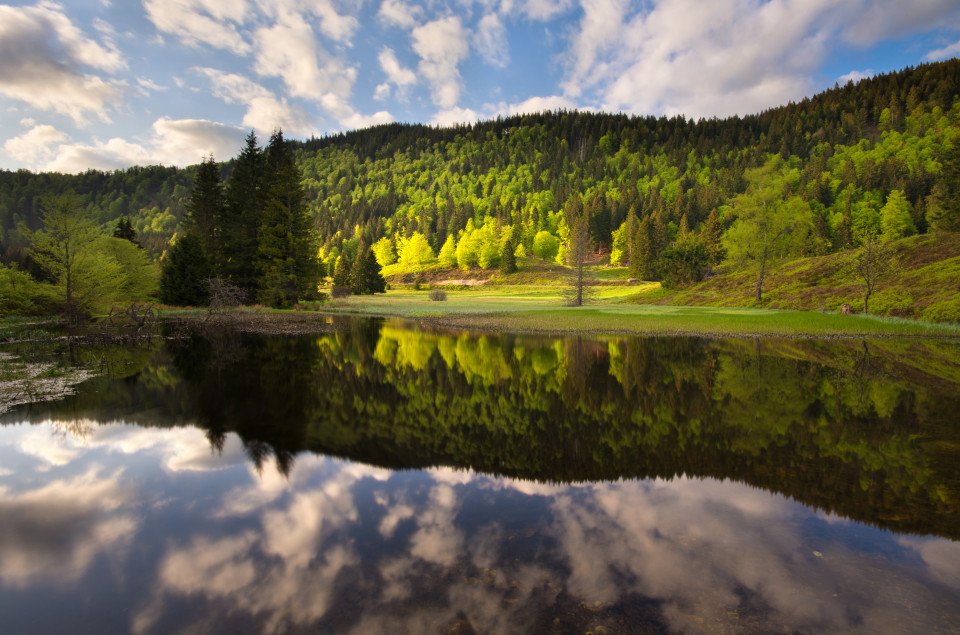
(540, 309)
(926, 285)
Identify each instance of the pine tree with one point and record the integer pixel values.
(643, 265)
(341, 272)
(206, 209)
(508, 261)
(125, 231)
(244, 204)
(285, 249)
(186, 268)
(712, 237)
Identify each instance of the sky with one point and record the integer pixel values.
(107, 84)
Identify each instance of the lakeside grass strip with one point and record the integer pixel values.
(540, 310)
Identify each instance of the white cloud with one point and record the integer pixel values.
(454, 117)
(491, 40)
(399, 13)
(173, 142)
(265, 113)
(289, 50)
(397, 74)
(539, 104)
(442, 45)
(202, 21)
(727, 56)
(854, 76)
(35, 145)
(382, 92)
(544, 9)
(943, 53)
(44, 56)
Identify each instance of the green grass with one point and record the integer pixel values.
(530, 308)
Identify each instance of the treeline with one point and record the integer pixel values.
(835, 160)
(867, 159)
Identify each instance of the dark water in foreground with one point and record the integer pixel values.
(381, 479)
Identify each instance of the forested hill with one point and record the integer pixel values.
(857, 159)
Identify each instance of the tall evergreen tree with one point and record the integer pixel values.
(244, 205)
(508, 260)
(286, 249)
(205, 209)
(125, 231)
(186, 268)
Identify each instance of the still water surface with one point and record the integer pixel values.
(386, 479)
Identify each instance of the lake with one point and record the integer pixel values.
(385, 478)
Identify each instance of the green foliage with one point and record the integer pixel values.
(286, 246)
(140, 275)
(508, 260)
(70, 250)
(205, 210)
(545, 245)
(20, 294)
(448, 253)
(895, 218)
(684, 263)
(416, 251)
(365, 277)
(186, 269)
(125, 230)
(383, 251)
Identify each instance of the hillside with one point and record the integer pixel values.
(879, 157)
(926, 284)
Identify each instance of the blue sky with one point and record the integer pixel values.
(106, 84)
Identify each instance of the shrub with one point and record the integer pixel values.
(438, 295)
(339, 291)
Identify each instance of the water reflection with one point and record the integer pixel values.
(338, 546)
(638, 485)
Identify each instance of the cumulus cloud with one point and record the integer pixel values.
(399, 13)
(265, 113)
(946, 52)
(442, 45)
(538, 104)
(543, 9)
(491, 40)
(35, 145)
(397, 74)
(172, 142)
(855, 76)
(197, 22)
(454, 117)
(45, 61)
(728, 56)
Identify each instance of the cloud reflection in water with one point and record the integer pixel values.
(346, 547)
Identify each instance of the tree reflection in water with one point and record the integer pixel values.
(634, 484)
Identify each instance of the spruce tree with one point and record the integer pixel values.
(244, 204)
(508, 261)
(125, 231)
(285, 249)
(186, 268)
(206, 208)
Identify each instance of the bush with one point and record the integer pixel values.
(438, 295)
(339, 291)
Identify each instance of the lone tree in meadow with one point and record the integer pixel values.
(578, 289)
(873, 265)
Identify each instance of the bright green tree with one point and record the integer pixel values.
(545, 245)
(416, 251)
(895, 218)
(448, 253)
(69, 250)
(383, 252)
